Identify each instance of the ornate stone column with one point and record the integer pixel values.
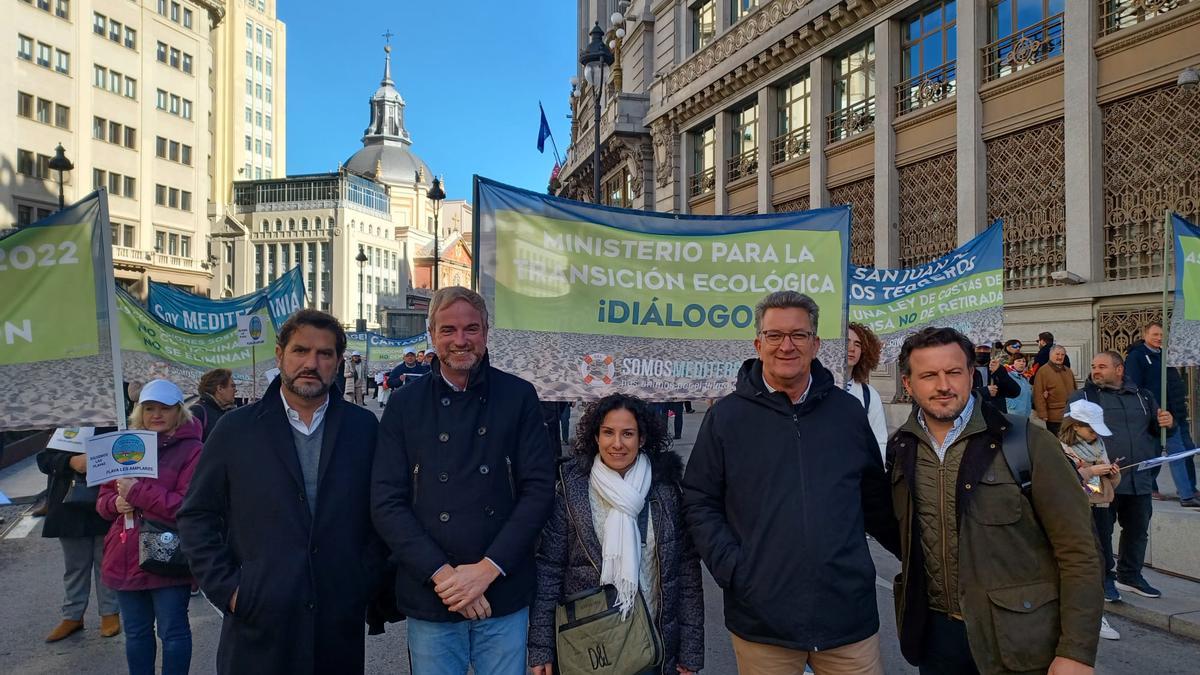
(972, 155)
(887, 182)
(821, 86)
(1082, 141)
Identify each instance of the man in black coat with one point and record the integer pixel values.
(783, 484)
(277, 523)
(991, 378)
(463, 483)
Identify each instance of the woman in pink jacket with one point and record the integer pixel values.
(147, 599)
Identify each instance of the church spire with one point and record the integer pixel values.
(387, 60)
(387, 106)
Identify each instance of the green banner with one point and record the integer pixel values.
(1189, 284)
(48, 307)
(153, 349)
(578, 276)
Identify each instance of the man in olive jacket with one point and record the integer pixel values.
(993, 580)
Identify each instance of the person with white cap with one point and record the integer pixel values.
(151, 602)
(1082, 436)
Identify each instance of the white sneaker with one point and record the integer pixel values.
(1106, 631)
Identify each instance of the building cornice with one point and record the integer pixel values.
(215, 9)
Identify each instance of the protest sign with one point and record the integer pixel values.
(589, 300)
(122, 454)
(152, 349)
(1183, 345)
(197, 314)
(71, 439)
(250, 330)
(56, 341)
(963, 289)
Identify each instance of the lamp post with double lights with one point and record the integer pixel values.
(361, 324)
(594, 60)
(436, 194)
(60, 163)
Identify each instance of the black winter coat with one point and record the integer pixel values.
(777, 498)
(1143, 367)
(209, 412)
(570, 553)
(302, 582)
(67, 520)
(1131, 413)
(460, 476)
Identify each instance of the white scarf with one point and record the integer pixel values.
(622, 546)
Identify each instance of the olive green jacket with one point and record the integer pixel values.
(1028, 568)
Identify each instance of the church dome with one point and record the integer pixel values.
(386, 155)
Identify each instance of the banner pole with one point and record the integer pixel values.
(253, 372)
(106, 277)
(1162, 401)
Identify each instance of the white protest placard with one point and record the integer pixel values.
(1159, 461)
(250, 330)
(122, 454)
(71, 439)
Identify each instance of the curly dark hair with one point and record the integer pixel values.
(651, 427)
(869, 349)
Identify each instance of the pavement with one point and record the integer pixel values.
(1157, 635)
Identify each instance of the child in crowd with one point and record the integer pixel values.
(1081, 437)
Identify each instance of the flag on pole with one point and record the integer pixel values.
(543, 131)
(1183, 345)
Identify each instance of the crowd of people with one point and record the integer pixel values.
(309, 523)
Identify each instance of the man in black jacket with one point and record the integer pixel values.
(463, 483)
(991, 378)
(277, 523)
(784, 478)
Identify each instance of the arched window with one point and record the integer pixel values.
(278, 225)
(291, 223)
(304, 223)
(264, 226)
(317, 223)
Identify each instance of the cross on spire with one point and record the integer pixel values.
(388, 36)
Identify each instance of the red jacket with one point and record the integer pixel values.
(155, 498)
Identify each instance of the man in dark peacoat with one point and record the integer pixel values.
(293, 578)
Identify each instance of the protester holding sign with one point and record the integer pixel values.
(783, 484)
(143, 513)
(72, 519)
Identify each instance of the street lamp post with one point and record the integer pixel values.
(436, 194)
(60, 163)
(594, 59)
(361, 325)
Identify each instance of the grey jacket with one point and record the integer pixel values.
(1132, 415)
(569, 555)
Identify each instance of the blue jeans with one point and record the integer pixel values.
(494, 646)
(140, 610)
(1185, 481)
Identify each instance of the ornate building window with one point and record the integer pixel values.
(928, 209)
(1151, 163)
(1118, 14)
(1026, 179)
(743, 143)
(704, 160)
(1021, 33)
(795, 130)
(928, 45)
(860, 195)
(704, 24)
(797, 204)
(740, 8)
(618, 189)
(853, 92)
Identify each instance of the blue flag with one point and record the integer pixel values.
(543, 131)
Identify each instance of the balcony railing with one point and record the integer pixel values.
(745, 164)
(140, 257)
(1118, 14)
(929, 87)
(703, 182)
(793, 144)
(853, 119)
(1033, 45)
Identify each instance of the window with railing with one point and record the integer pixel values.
(853, 92)
(1118, 14)
(794, 101)
(704, 160)
(928, 45)
(1023, 33)
(743, 144)
(704, 24)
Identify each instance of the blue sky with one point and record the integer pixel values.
(471, 73)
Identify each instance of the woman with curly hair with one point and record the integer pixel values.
(862, 355)
(617, 521)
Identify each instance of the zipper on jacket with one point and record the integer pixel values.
(416, 482)
(512, 485)
(804, 519)
(942, 526)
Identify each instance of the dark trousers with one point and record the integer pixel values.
(167, 610)
(1133, 513)
(1053, 427)
(947, 651)
(1103, 519)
